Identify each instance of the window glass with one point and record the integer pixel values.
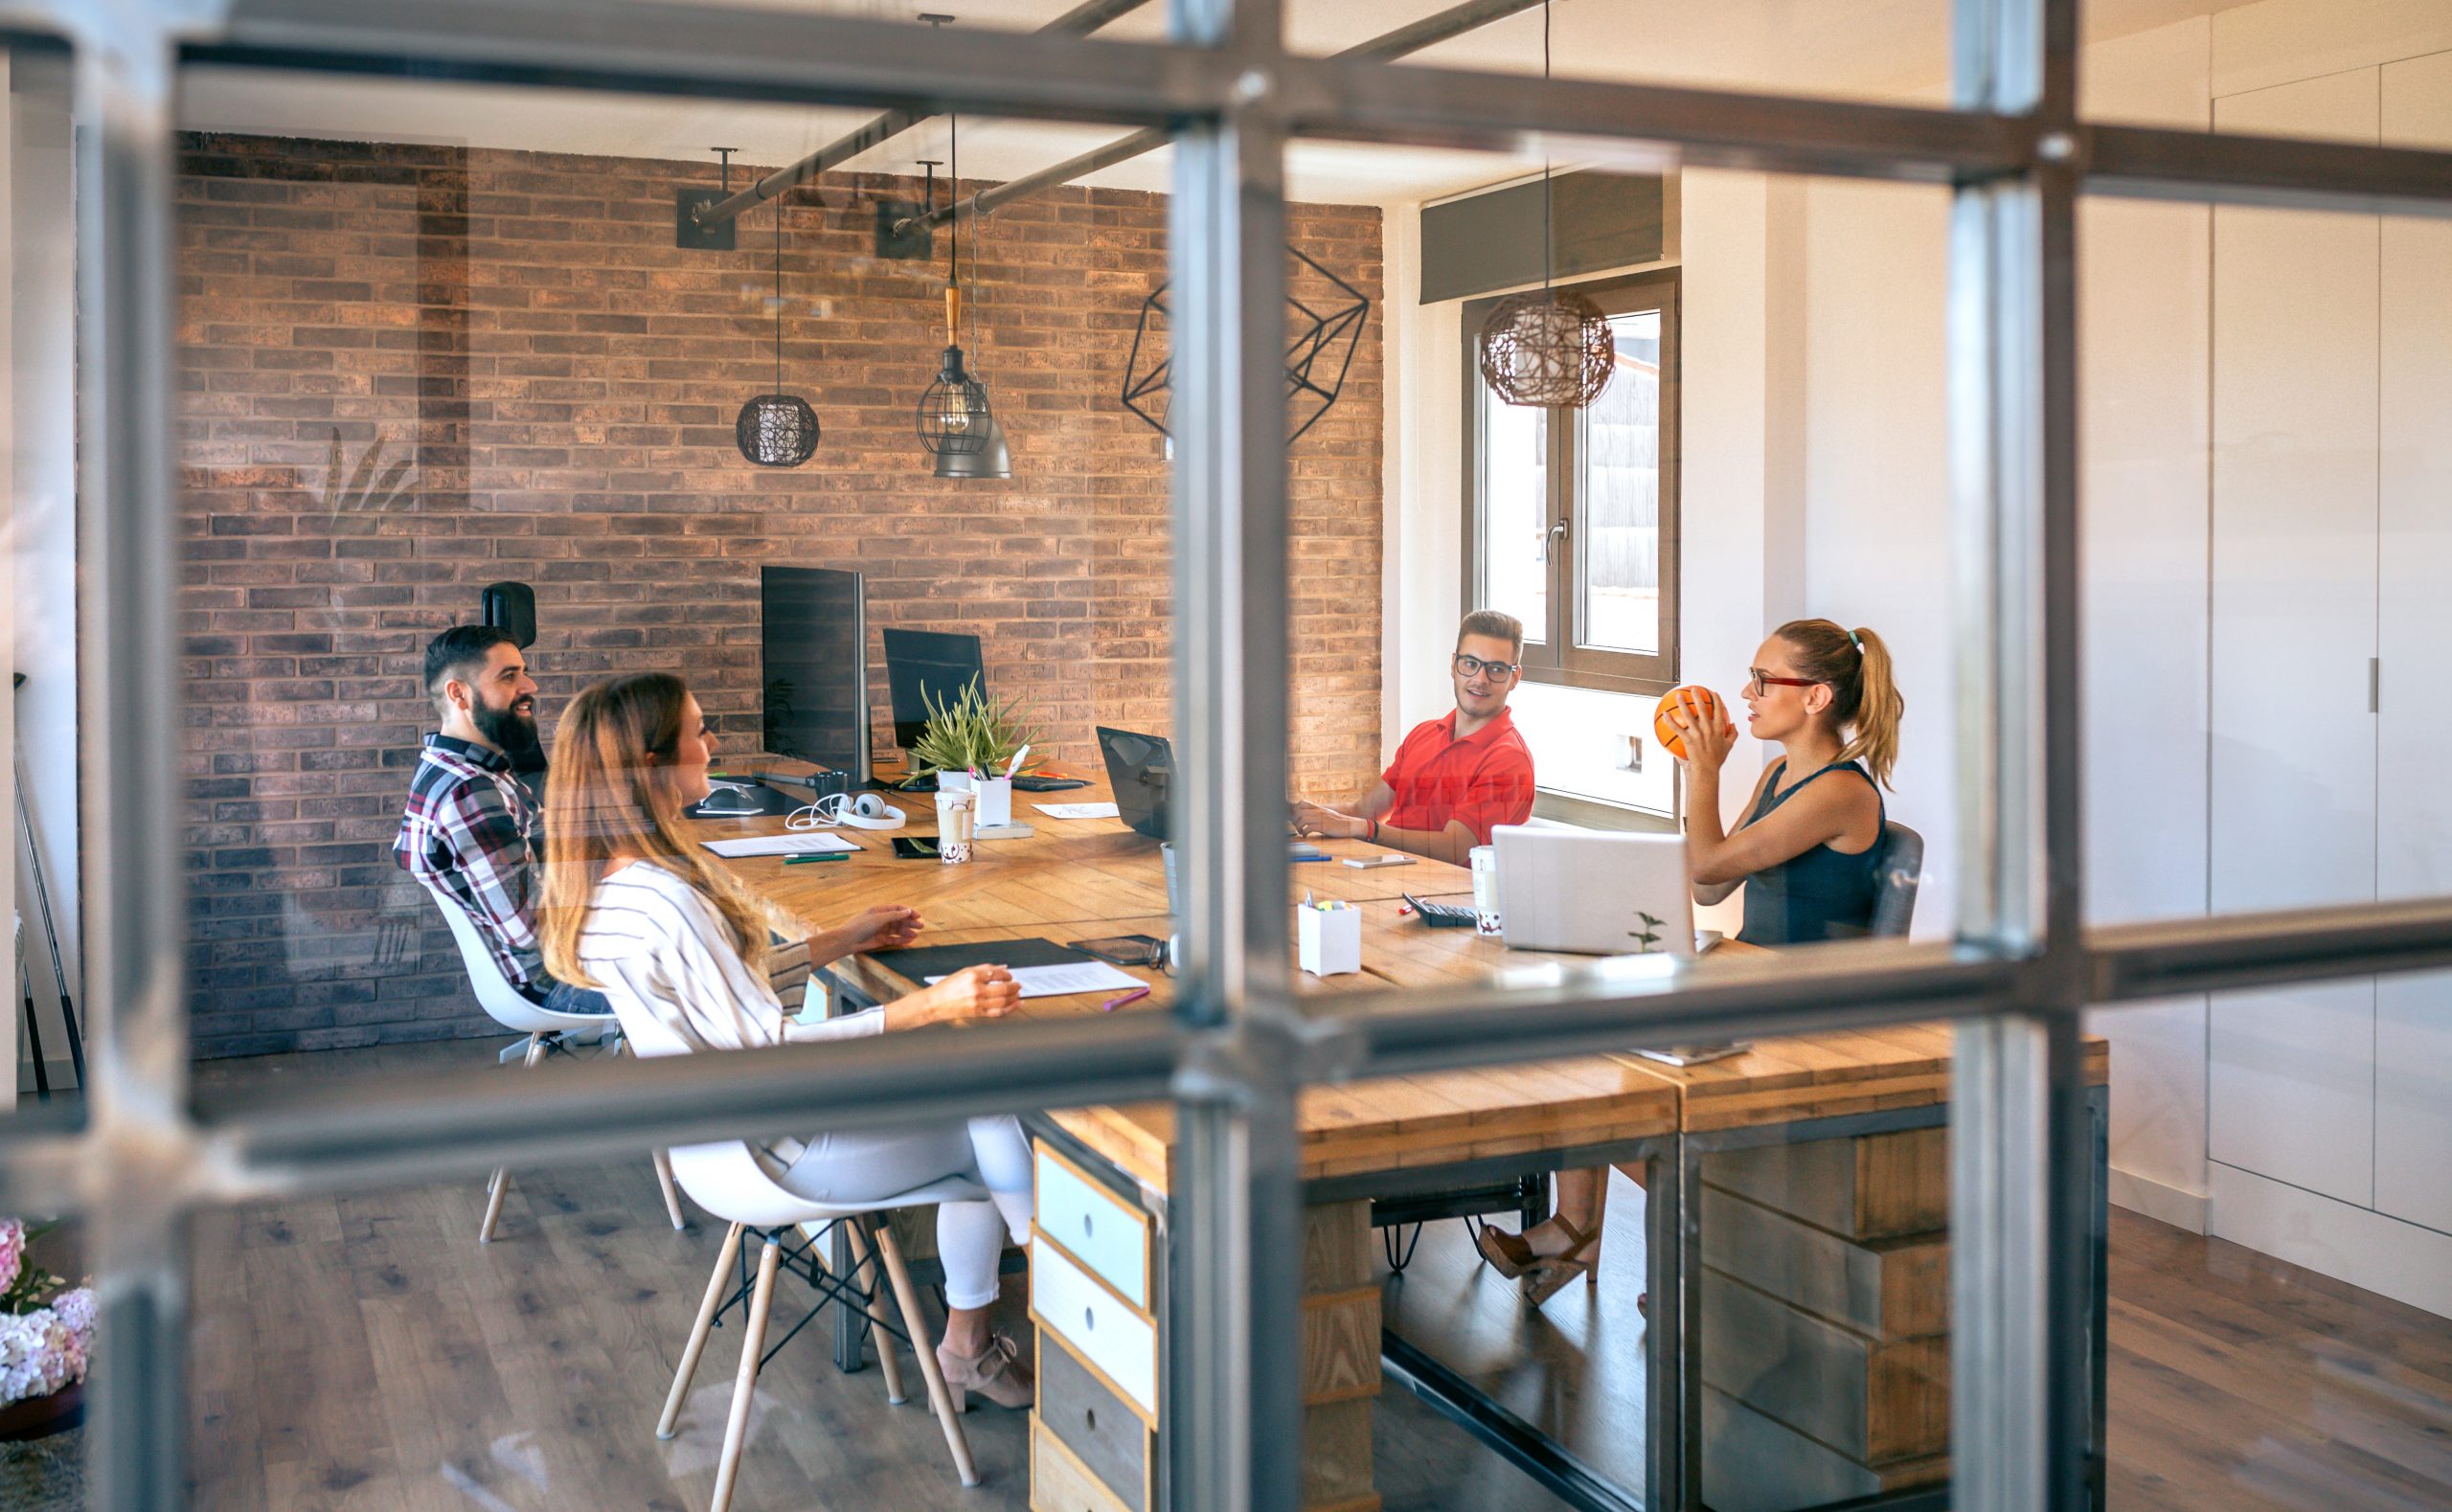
(1513, 535)
(1621, 567)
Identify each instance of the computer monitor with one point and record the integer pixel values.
(931, 662)
(814, 666)
(1140, 768)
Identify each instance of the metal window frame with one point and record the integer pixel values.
(2015, 155)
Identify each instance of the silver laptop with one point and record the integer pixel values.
(1596, 892)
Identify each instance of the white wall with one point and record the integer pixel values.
(2144, 289)
(40, 518)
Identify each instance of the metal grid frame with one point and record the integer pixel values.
(2015, 155)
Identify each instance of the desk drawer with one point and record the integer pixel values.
(1100, 1427)
(1108, 1235)
(1118, 1343)
(1059, 1481)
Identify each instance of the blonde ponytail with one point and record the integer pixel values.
(1865, 700)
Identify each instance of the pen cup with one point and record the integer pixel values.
(995, 800)
(955, 816)
(1175, 889)
(1328, 941)
(1484, 863)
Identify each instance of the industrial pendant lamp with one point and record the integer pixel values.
(1554, 348)
(994, 460)
(778, 429)
(954, 415)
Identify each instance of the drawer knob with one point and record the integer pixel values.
(1085, 1225)
(1089, 1319)
(1090, 1417)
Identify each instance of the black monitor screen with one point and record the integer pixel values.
(929, 661)
(815, 667)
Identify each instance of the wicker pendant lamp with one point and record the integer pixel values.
(1551, 348)
(954, 413)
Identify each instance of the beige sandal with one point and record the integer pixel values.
(996, 1372)
(1509, 1255)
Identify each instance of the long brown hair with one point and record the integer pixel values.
(1864, 687)
(609, 792)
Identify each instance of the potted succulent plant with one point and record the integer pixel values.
(967, 734)
(45, 1335)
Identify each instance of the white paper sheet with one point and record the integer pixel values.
(1078, 810)
(1068, 979)
(816, 843)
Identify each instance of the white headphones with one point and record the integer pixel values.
(849, 811)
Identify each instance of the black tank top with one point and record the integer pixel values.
(1822, 895)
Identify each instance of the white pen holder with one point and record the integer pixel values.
(1328, 942)
(995, 800)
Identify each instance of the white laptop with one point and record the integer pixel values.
(1596, 892)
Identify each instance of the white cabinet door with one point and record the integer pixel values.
(2293, 1087)
(2292, 766)
(2413, 797)
(2294, 539)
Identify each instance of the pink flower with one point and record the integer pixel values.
(13, 1251)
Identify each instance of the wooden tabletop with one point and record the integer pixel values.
(1075, 879)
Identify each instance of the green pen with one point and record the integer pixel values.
(830, 855)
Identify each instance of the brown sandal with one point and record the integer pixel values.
(1547, 1273)
(1509, 1255)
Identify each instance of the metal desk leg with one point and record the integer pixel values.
(1688, 1324)
(1667, 1408)
(2098, 1273)
(851, 1326)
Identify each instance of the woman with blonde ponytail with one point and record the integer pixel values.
(1807, 848)
(634, 909)
(1812, 830)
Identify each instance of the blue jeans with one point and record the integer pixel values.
(563, 998)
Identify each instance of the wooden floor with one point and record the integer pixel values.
(365, 1353)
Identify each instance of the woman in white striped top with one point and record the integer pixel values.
(634, 909)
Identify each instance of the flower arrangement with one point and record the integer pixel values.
(966, 732)
(45, 1333)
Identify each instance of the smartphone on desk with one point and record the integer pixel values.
(915, 847)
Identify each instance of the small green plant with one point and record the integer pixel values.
(363, 489)
(967, 732)
(1646, 938)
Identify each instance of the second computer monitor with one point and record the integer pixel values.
(929, 662)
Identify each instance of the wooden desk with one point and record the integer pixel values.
(1873, 1102)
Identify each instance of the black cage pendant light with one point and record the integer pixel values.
(778, 429)
(954, 414)
(1553, 348)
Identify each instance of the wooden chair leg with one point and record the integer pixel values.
(907, 1298)
(501, 1184)
(891, 1368)
(671, 1194)
(744, 1390)
(698, 1331)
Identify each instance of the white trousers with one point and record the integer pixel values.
(859, 1166)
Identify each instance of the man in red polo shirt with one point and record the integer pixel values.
(1454, 776)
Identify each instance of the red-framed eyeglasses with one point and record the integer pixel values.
(1762, 678)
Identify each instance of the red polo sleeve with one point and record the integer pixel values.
(1500, 792)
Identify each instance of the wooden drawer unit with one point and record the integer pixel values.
(1106, 1436)
(1115, 1339)
(1873, 1187)
(1753, 1463)
(1106, 1234)
(1886, 1288)
(1872, 1400)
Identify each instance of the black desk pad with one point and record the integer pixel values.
(943, 960)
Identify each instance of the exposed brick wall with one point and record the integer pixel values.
(521, 328)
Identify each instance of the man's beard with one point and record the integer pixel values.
(514, 732)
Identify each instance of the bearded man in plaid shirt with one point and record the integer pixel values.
(471, 829)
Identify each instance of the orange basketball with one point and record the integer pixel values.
(1665, 730)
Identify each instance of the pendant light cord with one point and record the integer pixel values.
(778, 296)
(1547, 236)
(953, 223)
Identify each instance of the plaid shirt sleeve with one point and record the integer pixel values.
(476, 849)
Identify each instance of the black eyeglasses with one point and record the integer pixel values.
(1470, 667)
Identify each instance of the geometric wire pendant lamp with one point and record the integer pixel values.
(778, 429)
(1551, 348)
(954, 415)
